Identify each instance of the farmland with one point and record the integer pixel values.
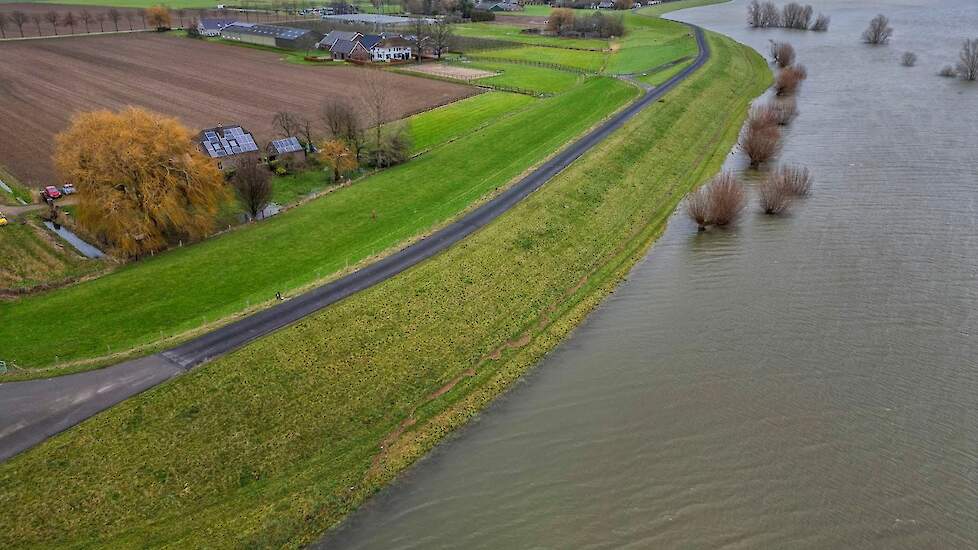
(46, 81)
(274, 443)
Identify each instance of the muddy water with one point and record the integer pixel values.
(800, 382)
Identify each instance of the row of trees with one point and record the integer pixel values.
(792, 16)
(437, 37)
(156, 17)
(565, 22)
(721, 201)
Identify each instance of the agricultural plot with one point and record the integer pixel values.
(461, 118)
(527, 77)
(571, 59)
(203, 84)
(650, 43)
(135, 4)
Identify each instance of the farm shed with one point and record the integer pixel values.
(288, 148)
(226, 144)
(272, 35)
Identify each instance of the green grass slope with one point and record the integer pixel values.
(270, 445)
(191, 286)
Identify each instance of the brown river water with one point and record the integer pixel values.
(808, 381)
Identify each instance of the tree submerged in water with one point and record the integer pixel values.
(718, 203)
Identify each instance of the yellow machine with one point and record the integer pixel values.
(3, 220)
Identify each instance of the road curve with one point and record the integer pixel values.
(34, 410)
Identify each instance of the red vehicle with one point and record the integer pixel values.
(50, 193)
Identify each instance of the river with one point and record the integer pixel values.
(807, 381)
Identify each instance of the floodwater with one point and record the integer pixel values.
(807, 381)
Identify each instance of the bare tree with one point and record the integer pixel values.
(785, 110)
(19, 18)
(879, 31)
(142, 15)
(909, 59)
(782, 53)
(727, 199)
(762, 116)
(760, 143)
(774, 195)
(130, 17)
(69, 20)
(796, 16)
(698, 207)
(253, 184)
(797, 179)
(4, 22)
(789, 79)
(36, 19)
(341, 121)
(86, 17)
(821, 23)
(421, 33)
(53, 18)
(754, 16)
(770, 15)
(968, 60)
(719, 202)
(115, 16)
(100, 19)
(181, 13)
(286, 123)
(376, 100)
(442, 35)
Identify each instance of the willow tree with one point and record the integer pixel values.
(158, 17)
(142, 184)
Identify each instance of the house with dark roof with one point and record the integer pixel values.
(349, 49)
(213, 27)
(332, 36)
(271, 35)
(226, 144)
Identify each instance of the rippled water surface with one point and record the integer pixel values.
(800, 382)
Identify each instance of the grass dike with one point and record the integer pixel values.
(280, 440)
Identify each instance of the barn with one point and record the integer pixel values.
(272, 35)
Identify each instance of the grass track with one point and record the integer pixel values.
(272, 444)
(185, 288)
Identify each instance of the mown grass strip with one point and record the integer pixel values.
(276, 442)
(192, 286)
(571, 59)
(526, 77)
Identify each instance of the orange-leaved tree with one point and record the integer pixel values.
(159, 17)
(142, 184)
(338, 156)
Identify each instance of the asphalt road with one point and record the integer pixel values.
(32, 411)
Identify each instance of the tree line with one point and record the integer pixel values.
(793, 15)
(565, 22)
(91, 21)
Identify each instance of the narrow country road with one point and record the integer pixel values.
(32, 411)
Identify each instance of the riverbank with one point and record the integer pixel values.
(278, 441)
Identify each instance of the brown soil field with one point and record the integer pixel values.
(202, 83)
(131, 18)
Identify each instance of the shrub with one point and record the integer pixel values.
(798, 180)
(878, 31)
(909, 59)
(698, 207)
(394, 148)
(796, 16)
(774, 195)
(948, 72)
(716, 203)
(782, 53)
(482, 15)
(821, 23)
(785, 110)
(760, 143)
(762, 116)
(968, 60)
(727, 199)
(192, 32)
(789, 80)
